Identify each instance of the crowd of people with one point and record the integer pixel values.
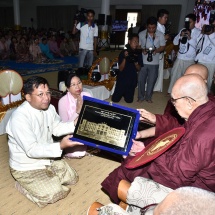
(43, 179)
(30, 45)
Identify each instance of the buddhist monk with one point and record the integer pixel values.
(190, 161)
(170, 115)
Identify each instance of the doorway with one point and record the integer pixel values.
(132, 20)
(123, 14)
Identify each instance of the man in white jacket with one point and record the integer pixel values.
(187, 41)
(39, 176)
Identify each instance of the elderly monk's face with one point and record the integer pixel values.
(40, 98)
(181, 104)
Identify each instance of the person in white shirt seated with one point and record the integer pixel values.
(187, 41)
(34, 160)
(206, 51)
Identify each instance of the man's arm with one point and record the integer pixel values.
(75, 30)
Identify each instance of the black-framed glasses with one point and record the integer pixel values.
(183, 97)
(148, 209)
(41, 95)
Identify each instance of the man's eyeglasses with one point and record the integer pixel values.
(148, 210)
(183, 97)
(74, 85)
(41, 95)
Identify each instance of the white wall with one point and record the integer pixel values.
(28, 7)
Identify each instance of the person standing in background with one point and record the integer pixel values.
(187, 41)
(88, 38)
(162, 16)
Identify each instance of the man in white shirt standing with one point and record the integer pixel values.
(152, 43)
(162, 16)
(206, 51)
(88, 39)
(39, 176)
(187, 41)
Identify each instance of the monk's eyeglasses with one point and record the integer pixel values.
(183, 97)
(148, 210)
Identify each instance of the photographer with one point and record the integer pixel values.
(130, 62)
(88, 38)
(206, 51)
(152, 43)
(187, 41)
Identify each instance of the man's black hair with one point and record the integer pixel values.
(151, 21)
(69, 78)
(33, 82)
(91, 11)
(191, 16)
(162, 12)
(132, 36)
(43, 39)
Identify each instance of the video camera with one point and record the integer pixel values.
(80, 15)
(210, 28)
(132, 54)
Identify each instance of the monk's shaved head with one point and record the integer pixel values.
(188, 93)
(198, 69)
(191, 85)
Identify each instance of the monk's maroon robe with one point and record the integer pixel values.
(190, 162)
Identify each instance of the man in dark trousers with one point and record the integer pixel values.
(130, 62)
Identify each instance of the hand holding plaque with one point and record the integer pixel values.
(106, 126)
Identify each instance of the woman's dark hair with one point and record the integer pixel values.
(33, 82)
(162, 12)
(151, 21)
(69, 78)
(91, 11)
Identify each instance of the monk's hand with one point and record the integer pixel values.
(147, 116)
(66, 142)
(79, 104)
(137, 146)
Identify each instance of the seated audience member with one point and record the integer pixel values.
(190, 162)
(184, 200)
(39, 176)
(126, 81)
(151, 40)
(13, 47)
(69, 107)
(36, 52)
(4, 49)
(54, 47)
(187, 41)
(45, 49)
(23, 54)
(65, 47)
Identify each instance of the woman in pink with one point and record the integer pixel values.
(69, 107)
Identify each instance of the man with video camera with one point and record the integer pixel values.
(206, 49)
(152, 43)
(187, 42)
(88, 37)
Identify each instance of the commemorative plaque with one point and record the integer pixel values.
(106, 126)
